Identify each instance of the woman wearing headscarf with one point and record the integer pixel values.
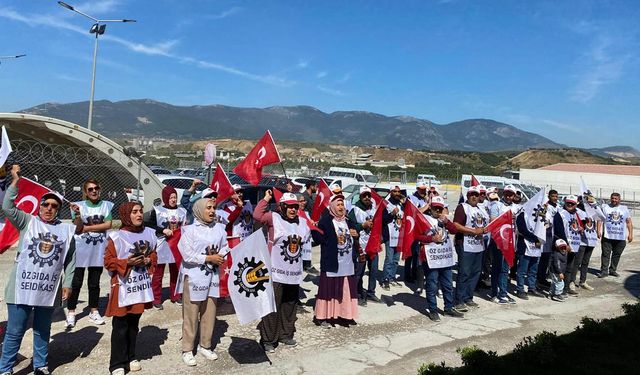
(96, 216)
(203, 246)
(286, 235)
(130, 258)
(337, 293)
(43, 260)
(166, 220)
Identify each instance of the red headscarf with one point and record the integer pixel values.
(166, 193)
(125, 216)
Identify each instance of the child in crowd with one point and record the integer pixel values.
(558, 268)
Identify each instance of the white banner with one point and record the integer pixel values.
(535, 215)
(249, 281)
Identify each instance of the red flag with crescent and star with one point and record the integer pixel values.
(375, 238)
(322, 200)
(28, 200)
(413, 224)
(220, 184)
(474, 181)
(501, 229)
(262, 154)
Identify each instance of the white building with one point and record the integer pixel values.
(601, 179)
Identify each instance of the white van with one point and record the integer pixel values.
(430, 179)
(352, 176)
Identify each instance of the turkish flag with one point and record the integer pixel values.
(277, 194)
(220, 184)
(225, 267)
(173, 246)
(474, 181)
(501, 229)
(263, 153)
(413, 223)
(305, 216)
(322, 200)
(375, 237)
(28, 200)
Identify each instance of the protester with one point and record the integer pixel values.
(130, 258)
(528, 251)
(470, 221)
(588, 242)
(309, 194)
(44, 251)
(615, 233)
(286, 236)
(551, 208)
(499, 266)
(568, 227)
(166, 220)
(307, 247)
(203, 246)
(89, 246)
(395, 207)
(337, 297)
(558, 266)
(485, 276)
(419, 199)
(438, 263)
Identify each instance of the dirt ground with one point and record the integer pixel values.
(393, 337)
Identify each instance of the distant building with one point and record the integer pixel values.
(601, 179)
(439, 162)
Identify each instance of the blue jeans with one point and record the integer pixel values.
(499, 273)
(470, 267)
(390, 263)
(432, 277)
(557, 285)
(373, 275)
(527, 266)
(17, 326)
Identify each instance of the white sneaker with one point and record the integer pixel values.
(71, 320)
(96, 318)
(118, 371)
(586, 286)
(572, 287)
(188, 359)
(135, 365)
(207, 353)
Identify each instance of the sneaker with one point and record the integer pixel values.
(543, 284)
(557, 298)
(269, 348)
(418, 291)
(386, 286)
(439, 294)
(41, 371)
(95, 318)
(500, 301)
(511, 301)
(454, 313)
(289, 342)
(362, 302)
(7, 373)
(536, 293)
(71, 320)
(312, 271)
(603, 275)
(572, 292)
(461, 307)
(207, 353)
(471, 304)
(396, 284)
(188, 359)
(118, 371)
(372, 297)
(522, 295)
(434, 316)
(614, 273)
(135, 366)
(177, 302)
(572, 287)
(586, 286)
(158, 306)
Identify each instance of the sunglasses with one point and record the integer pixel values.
(52, 205)
(367, 195)
(473, 194)
(92, 189)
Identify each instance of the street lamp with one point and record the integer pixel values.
(10, 57)
(97, 28)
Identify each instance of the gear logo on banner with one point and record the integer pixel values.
(291, 248)
(540, 214)
(141, 248)
(207, 267)
(45, 249)
(251, 277)
(94, 237)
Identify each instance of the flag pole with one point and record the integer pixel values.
(284, 170)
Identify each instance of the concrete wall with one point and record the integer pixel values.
(602, 185)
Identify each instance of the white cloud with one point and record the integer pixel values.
(563, 126)
(330, 91)
(224, 14)
(65, 77)
(302, 64)
(94, 8)
(344, 78)
(321, 74)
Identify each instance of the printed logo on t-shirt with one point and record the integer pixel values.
(207, 267)
(45, 249)
(94, 238)
(291, 248)
(344, 241)
(140, 248)
(615, 218)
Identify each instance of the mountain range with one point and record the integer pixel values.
(145, 117)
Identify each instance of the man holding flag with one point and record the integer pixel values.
(531, 237)
(500, 266)
(395, 208)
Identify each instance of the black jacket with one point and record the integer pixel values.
(329, 243)
(523, 234)
(558, 262)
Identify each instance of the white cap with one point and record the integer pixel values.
(236, 187)
(208, 192)
(560, 243)
(288, 198)
(364, 190)
(335, 188)
(473, 189)
(571, 199)
(482, 188)
(437, 202)
(422, 184)
(510, 188)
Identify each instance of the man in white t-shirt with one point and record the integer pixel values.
(615, 232)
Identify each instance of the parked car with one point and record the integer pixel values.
(180, 183)
(157, 170)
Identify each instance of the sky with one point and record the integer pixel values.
(568, 70)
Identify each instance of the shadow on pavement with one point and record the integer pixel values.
(219, 331)
(632, 283)
(247, 351)
(416, 302)
(66, 347)
(150, 339)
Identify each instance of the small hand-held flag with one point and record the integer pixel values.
(375, 237)
(262, 154)
(220, 184)
(322, 200)
(413, 224)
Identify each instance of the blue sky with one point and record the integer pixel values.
(568, 70)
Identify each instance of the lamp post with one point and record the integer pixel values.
(10, 57)
(97, 28)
